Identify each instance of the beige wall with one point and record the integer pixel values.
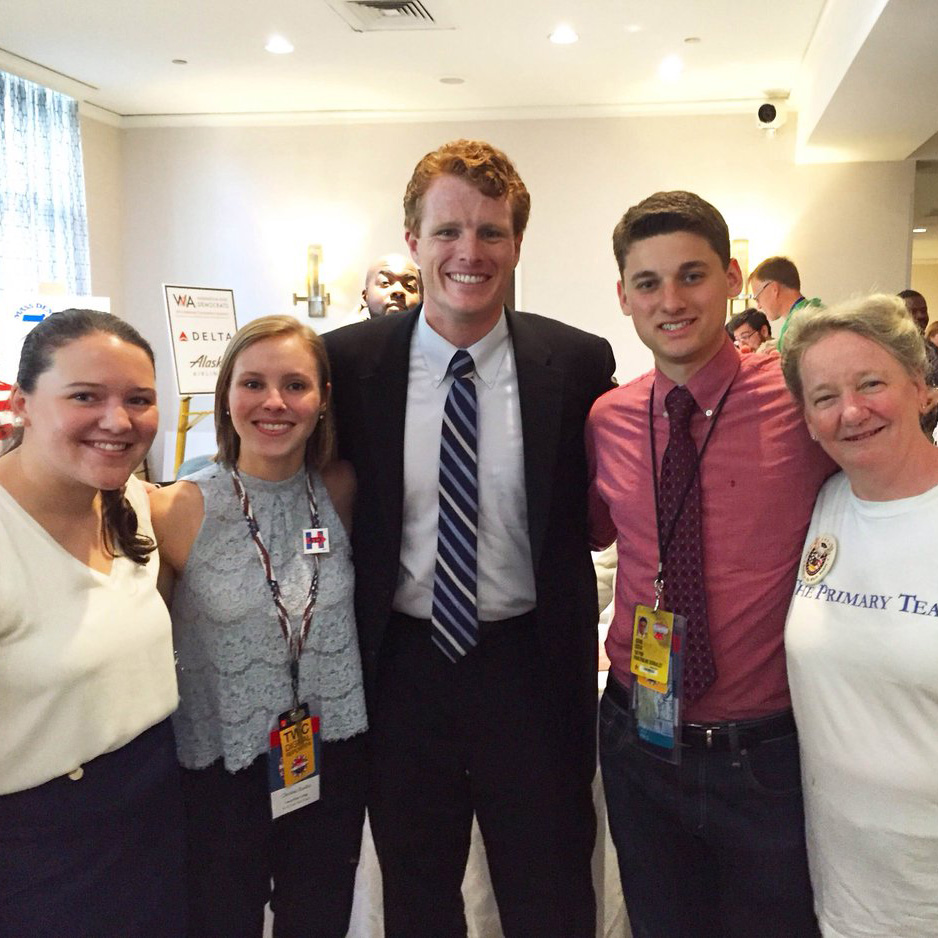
(101, 148)
(925, 280)
(237, 206)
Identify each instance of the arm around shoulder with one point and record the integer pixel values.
(341, 484)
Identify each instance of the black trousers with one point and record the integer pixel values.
(476, 736)
(235, 849)
(99, 857)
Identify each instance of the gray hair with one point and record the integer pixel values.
(881, 318)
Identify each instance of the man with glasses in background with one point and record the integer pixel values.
(775, 287)
(751, 331)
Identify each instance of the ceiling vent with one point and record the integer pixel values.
(370, 16)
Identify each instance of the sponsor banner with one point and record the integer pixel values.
(201, 323)
(20, 313)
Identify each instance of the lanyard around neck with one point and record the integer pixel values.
(294, 640)
(665, 542)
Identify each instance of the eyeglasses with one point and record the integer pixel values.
(746, 336)
(755, 296)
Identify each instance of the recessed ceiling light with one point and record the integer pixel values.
(278, 45)
(563, 35)
(452, 81)
(633, 28)
(670, 68)
(919, 230)
(180, 61)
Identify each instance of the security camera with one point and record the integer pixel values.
(771, 114)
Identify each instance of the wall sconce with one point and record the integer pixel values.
(739, 248)
(316, 299)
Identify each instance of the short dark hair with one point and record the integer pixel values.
(669, 212)
(751, 317)
(481, 165)
(909, 294)
(118, 518)
(778, 269)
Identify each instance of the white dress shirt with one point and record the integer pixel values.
(505, 571)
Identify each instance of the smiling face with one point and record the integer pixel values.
(92, 415)
(863, 407)
(275, 400)
(467, 251)
(675, 288)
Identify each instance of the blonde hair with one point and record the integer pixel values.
(882, 318)
(321, 445)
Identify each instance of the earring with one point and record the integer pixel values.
(18, 422)
(322, 415)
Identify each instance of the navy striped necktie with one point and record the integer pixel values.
(455, 615)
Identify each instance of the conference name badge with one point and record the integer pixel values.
(293, 761)
(651, 645)
(819, 559)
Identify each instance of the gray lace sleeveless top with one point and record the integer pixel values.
(232, 659)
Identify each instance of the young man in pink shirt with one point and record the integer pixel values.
(706, 813)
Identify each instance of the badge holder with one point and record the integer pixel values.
(293, 761)
(657, 688)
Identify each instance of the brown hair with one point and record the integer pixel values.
(779, 270)
(481, 165)
(118, 518)
(321, 445)
(881, 318)
(669, 212)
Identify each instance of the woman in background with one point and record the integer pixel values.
(235, 534)
(862, 631)
(90, 812)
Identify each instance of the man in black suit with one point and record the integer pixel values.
(493, 713)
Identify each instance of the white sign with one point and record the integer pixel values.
(201, 324)
(18, 315)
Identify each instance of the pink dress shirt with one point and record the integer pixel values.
(759, 477)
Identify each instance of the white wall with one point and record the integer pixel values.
(236, 207)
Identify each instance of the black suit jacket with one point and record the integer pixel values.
(561, 371)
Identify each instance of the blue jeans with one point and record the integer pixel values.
(712, 847)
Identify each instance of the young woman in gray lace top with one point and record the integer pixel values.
(261, 626)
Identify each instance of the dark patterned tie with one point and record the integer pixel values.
(455, 616)
(683, 565)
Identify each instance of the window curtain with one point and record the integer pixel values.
(43, 223)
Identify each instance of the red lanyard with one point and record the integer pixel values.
(294, 641)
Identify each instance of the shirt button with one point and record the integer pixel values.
(77, 775)
(708, 413)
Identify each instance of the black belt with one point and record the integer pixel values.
(401, 620)
(720, 737)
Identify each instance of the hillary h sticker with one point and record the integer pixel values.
(820, 559)
(315, 540)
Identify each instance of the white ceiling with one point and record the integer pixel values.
(863, 74)
(124, 51)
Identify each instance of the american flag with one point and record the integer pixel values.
(6, 418)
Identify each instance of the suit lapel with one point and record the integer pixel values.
(384, 401)
(540, 390)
